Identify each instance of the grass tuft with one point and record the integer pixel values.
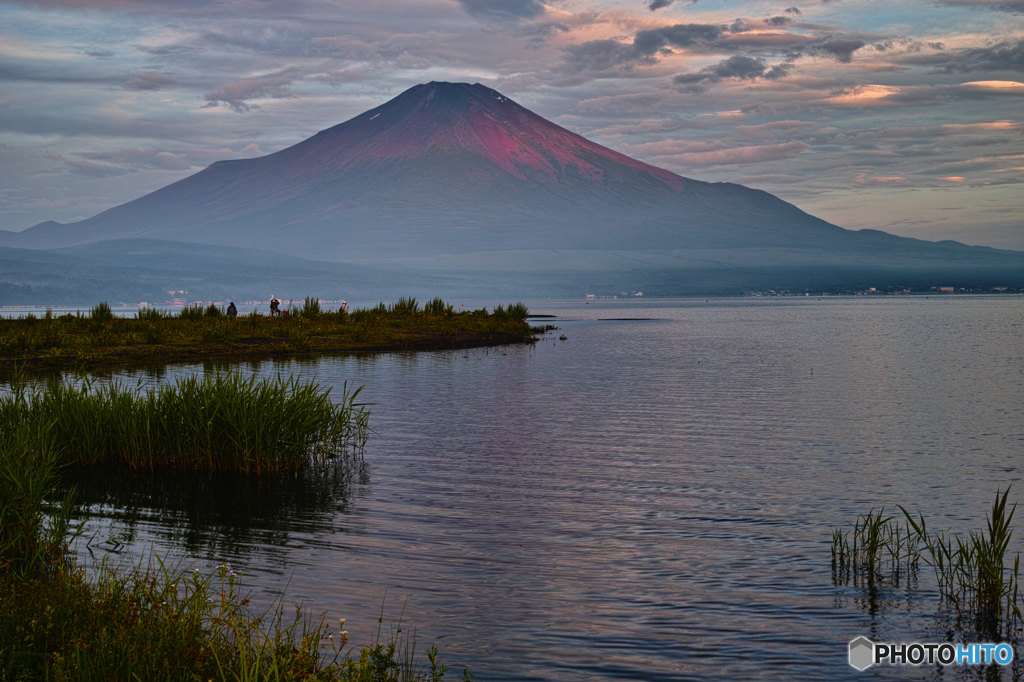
(192, 312)
(310, 308)
(101, 312)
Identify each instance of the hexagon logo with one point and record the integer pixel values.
(862, 653)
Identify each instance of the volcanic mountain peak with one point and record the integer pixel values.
(453, 118)
(459, 177)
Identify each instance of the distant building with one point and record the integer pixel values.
(948, 289)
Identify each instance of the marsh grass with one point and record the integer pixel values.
(160, 623)
(310, 308)
(216, 422)
(101, 312)
(878, 548)
(153, 622)
(153, 336)
(976, 576)
(33, 531)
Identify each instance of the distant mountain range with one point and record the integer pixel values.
(459, 181)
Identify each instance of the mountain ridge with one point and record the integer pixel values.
(444, 171)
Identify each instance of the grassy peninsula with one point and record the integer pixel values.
(195, 334)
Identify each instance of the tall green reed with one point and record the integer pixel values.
(192, 312)
(310, 308)
(877, 548)
(101, 312)
(217, 422)
(437, 306)
(405, 306)
(975, 574)
(33, 530)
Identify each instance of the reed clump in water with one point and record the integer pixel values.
(878, 548)
(217, 422)
(975, 574)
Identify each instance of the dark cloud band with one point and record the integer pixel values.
(503, 9)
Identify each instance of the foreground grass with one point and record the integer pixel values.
(156, 624)
(153, 337)
(160, 625)
(219, 422)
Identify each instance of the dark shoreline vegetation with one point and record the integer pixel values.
(158, 622)
(103, 340)
(979, 584)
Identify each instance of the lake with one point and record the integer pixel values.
(648, 499)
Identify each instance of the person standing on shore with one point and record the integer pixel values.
(232, 310)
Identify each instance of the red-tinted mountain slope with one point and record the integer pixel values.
(450, 168)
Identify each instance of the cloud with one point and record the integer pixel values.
(736, 66)
(887, 180)
(795, 11)
(236, 94)
(769, 129)
(714, 153)
(503, 9)
(650, 41)
(148, 80)
(601, 55)
(655, 5)
(1013, 6)
(653, 43)
(169, 6)
(604, 54)
(744, 155)
(1003, 56)
(126, 160)
(54, 71)
(538, 32)
(840, 48)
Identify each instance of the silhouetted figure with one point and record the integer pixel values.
(232, 310)
(275, 304)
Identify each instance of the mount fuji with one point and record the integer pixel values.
(453, 177)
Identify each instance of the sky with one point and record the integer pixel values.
(900, 115)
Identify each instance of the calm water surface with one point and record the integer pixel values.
(645, 500)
